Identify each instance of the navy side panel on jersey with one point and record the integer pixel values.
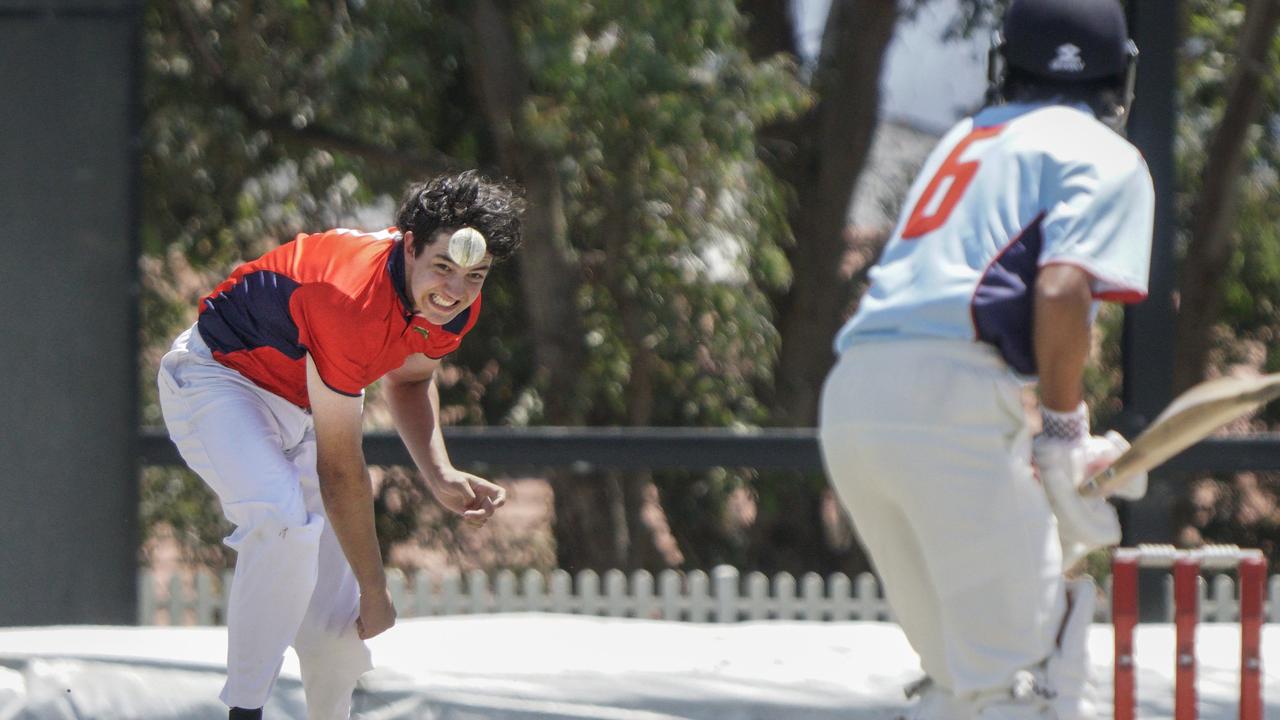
(1003, 301)
(459, 323)
(252, 314)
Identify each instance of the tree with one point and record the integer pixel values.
(1227, 202)
(819, 156)
(672, 226)
(1214, 226)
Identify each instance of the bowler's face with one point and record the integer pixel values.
(439, 287)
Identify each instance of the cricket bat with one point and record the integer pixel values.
(1191, 417)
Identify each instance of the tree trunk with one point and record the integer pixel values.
(770, 29)
(622, 206)
(589, 527)
(589, 521)
(1211, 245)
(550, 277)
(643, 552)
(788, 533)
(821, 157)
(841, 127)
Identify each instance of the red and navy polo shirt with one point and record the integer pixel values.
(338, 295)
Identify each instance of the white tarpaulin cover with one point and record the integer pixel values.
(534, 666)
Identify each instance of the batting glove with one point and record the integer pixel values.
(1061, 454)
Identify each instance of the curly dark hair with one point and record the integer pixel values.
(467, 199)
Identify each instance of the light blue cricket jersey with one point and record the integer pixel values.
(1006, 192)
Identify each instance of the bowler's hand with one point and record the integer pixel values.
(377, 613)
(474, 498)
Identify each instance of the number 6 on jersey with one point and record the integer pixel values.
(929, 213)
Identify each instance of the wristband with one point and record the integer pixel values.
(1070, 426)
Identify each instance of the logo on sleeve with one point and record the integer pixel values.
(1068, 60)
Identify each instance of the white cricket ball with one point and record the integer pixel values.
(467, 247)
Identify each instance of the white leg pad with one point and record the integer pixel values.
(1067, 670)
(1058, 688)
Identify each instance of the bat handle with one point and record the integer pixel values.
(1096, 486)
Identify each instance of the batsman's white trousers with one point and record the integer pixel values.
(927, 446)
(292, 583)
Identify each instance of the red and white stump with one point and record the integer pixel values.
(1251, 567)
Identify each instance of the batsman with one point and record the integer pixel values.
(1022, 220)
(263, 397)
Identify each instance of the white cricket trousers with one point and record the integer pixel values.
(292, 583)
(927, 446)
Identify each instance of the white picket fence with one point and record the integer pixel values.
(724, 595)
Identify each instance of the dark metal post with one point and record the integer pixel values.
(1149, 326)
(68, 258)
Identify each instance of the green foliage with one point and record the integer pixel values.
(1239, 509)
(1097, 565)
(1102, 375)
(1252, 296)
(177, 504)
(652, 110)
(1251, 286)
